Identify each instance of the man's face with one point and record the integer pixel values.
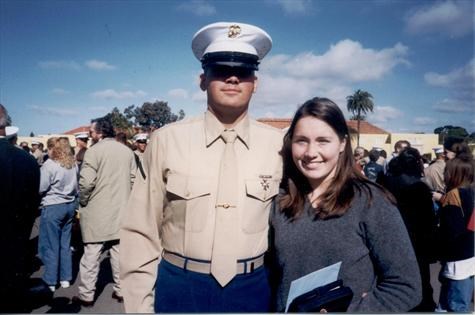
(81, 142)
(141, 145)
(95, 137)
(229, 89)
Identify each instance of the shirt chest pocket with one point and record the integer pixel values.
(259, 195)
(189, 201)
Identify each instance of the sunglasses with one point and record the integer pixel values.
(226, 72)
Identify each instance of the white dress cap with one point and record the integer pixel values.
(81, 135)
(11, 131)
(140, 136)
(232, 37)
(438, 150)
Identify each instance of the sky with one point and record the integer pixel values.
(63, 63)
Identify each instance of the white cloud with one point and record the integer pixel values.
(99, 65)
(451, 18)
(295, 7)
(424, 121)
(59, 91)
(346, 60)
(383, 114)
(199, 97)
(178, 93)
(460, 83)
(198, 7)
(59, 64)
(113, 94)
(287, 81)
(53, 111)
(451, 106)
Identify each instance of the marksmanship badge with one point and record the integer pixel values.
(234, 31)
(265, 181)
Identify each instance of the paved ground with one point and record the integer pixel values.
(61, 300)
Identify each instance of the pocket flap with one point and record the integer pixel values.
(188, 187)
(262, 189)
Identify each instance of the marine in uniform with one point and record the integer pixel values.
(81, 146)
(37, 152)
(140, 143)
(196, 227)
(434, 174)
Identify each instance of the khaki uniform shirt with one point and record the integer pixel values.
(174, 207)
(434, 176)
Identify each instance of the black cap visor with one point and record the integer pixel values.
(230, 59)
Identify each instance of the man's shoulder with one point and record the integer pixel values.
(179, 126)
(20, 156)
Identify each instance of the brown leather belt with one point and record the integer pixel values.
(204, 266)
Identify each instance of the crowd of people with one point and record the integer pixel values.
(220, 213)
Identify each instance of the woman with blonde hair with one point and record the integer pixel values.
(58, 188)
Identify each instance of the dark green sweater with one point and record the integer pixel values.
(371, 242)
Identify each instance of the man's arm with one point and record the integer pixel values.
(87, 177)
(140, 245)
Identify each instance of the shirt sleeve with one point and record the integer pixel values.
(398, 287)
(140, 244)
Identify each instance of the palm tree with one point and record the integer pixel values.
(359, 104)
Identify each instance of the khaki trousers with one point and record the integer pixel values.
(89, 268)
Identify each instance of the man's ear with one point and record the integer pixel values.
(255, 85)
(203, 83)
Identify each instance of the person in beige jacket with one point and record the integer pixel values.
(196, 226)
(105, 182)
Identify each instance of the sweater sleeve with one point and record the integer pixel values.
(398, 285)
(45, 178)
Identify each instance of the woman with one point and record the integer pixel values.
(328, 212)
(414, 201)
(457, 241)
(454, 146)
(59, 189)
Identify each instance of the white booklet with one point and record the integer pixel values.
(311, 281)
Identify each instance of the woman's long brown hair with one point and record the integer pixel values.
(336, 200)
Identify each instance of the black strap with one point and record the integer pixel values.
(139, 165)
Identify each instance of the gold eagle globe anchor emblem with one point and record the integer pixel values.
(234, 31)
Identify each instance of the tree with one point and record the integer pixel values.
(152, 116)
(32, 134)
(450, 131)
(119, 120)
(359, 104)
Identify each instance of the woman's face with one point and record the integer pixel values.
(316, 149)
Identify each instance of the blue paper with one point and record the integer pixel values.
(311, 281)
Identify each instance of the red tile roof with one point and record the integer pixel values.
(365, 127)
(78, 129)
(280, 123)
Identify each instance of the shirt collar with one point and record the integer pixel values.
(214, 128)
